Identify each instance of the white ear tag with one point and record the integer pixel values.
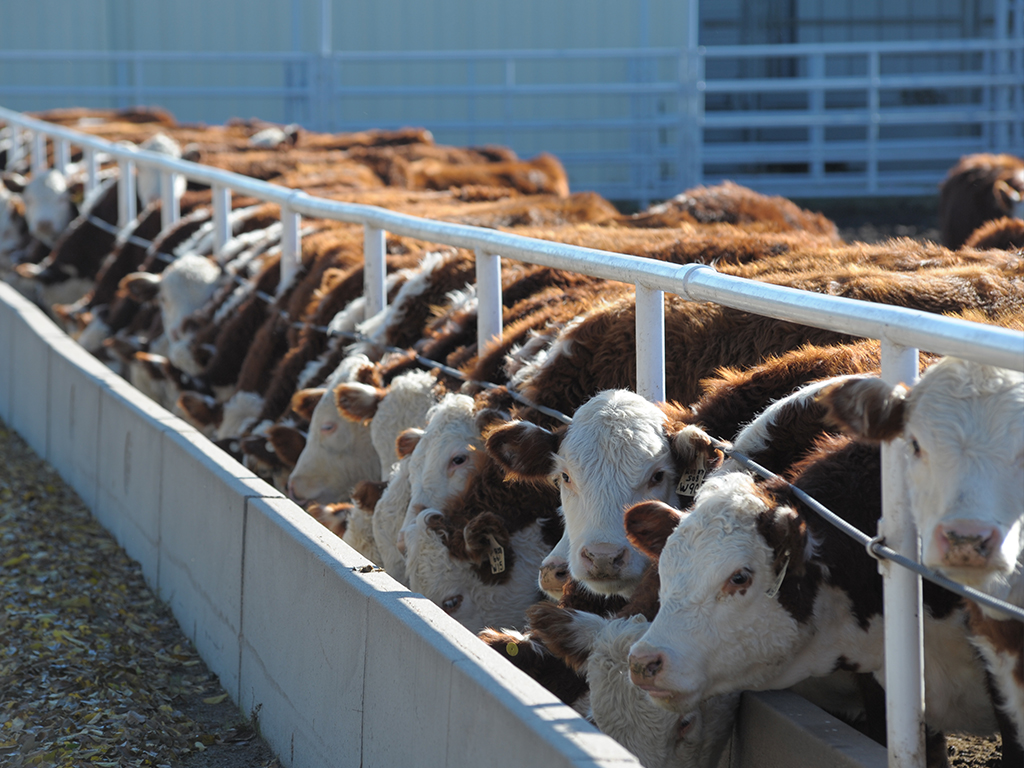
(692, 479)
(496, 556)
(774, 590)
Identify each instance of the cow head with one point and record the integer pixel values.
(338, 452)
(721, 627)
(388, 411)
(960, 432)
(619, 450)
(48, 207)
(600, 647)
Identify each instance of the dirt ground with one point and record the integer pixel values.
(93, 668)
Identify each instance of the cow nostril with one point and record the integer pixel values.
(645, 668)
(653, 668)
(562, 572)
(620, 559)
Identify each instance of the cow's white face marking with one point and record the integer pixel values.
(614, 454)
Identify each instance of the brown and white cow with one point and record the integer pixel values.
(757, 594)
(961, 435)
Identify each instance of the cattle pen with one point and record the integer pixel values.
(206, 560)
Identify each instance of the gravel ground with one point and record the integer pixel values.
(93, 668)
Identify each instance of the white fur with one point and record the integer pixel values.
(338, 452)
(627, 714)
(435, 574)
(612, 454)
(148, 179)
(48, 208)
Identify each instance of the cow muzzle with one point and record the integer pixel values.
(604, 561)
(967, 544)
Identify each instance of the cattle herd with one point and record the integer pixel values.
(617, 556)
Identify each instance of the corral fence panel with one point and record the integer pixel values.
(638, 124)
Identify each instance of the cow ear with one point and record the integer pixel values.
(568, 634)
(648, 525)
(525, 451)
(201, 410)
(152, 364)
(369, 375)
(367, 493)
(261, 449)
(288, 443)
(14, 182)
(785, 531)
(694, 455)
(358, 402)
(304, 402)
(141, 286)
(407, 441)
(868, 409)
(489, 418)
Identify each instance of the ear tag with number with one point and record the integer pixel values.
(692, 479)
(496, 556)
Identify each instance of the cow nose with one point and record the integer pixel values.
(553, 576)
(604, 560)
(967, 543)
(643, 668)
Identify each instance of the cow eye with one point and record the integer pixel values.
(452, 604)
(740, 578)
(915, 446)
(565, 479)
(657, 477)
(459, 460)
(326, 429)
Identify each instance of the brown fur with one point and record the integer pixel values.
(367, 493)
(531, 657)
(539, 175)
(1004, 234)
(199, 409)
(869, 409)
(734, 204)
(288, 443)
(551, 625)
(305, 401)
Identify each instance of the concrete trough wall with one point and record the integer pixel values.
(347, 668)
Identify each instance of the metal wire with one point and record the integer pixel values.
(873, 544)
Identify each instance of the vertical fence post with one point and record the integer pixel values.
(170, 205)
(374, 269)
(816, 105)
(904, 667)
(126, 200)
(15, 153)
(221, 209)
(650, 343)
(92, 169)
(62, 155)
(488, 292)
(874, 117)
(38, 152)
(291, 248)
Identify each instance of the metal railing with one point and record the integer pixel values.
(807, 120)
(901, 332)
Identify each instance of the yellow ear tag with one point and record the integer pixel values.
(692, 479)
(496, 556)
(511, 649)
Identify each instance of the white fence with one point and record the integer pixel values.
(901, 332)
(805, 120)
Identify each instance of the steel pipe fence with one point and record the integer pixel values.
(901, 332)
(834, 124)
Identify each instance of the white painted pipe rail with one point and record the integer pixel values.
(901, 331)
